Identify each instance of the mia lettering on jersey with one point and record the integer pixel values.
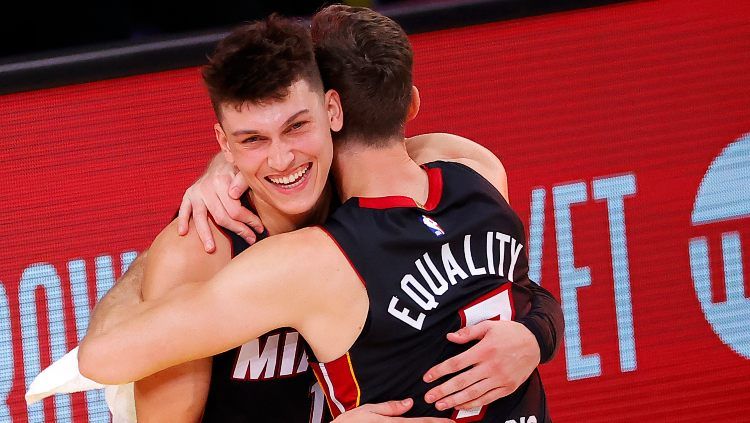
(430, 283)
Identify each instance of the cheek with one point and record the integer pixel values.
(318, 147)
(249, 163)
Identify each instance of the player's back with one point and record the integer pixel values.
(428, 271)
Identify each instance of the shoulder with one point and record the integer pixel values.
(174, 259)
(296, 258)
(453, 148)
(307, 248)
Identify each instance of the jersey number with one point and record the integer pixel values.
(495, 305)
(318, 403)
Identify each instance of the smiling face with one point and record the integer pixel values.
(283, 148)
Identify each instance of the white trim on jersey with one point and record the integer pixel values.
(331, 392)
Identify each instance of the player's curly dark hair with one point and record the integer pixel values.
(367, 58)
(259, 61)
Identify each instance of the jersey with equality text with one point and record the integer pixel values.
(429, 271)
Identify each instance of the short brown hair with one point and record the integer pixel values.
(367, 58)
(259, 61)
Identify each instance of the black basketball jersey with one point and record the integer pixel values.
(428, 271)
(265, 380)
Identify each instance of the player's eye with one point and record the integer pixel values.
(297, 125)
(252, 139)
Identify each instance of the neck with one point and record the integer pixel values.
(362, 171)
(277, 222)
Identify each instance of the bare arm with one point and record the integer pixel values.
(178, 393)
(126, 293)
(448, 147)
(203, 319)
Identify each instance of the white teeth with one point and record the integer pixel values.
(289, 179)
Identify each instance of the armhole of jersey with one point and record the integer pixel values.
(348, 259)
(474, 173)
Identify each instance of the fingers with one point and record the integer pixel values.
(386, 412)
(451, 365)
(470, 333)
(232, 211)
(488, 397)
(240, 229)
(183, 216)
(200, 219)
(390, 408)
(466, 395)
(457, 383)
(237, 186)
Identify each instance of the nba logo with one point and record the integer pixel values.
(434, 227)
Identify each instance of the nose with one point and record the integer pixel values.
(280, 156)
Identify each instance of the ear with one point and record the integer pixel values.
(335, 112)
(221, 137)
(413, 104)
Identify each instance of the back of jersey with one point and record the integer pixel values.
(428, 271)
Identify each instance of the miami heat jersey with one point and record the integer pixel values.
(265, 380)
(430, 270)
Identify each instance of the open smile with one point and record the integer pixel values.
(293, 180)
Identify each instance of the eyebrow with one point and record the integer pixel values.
(254, 131)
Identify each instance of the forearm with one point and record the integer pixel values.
(544, 320)
(119, 301)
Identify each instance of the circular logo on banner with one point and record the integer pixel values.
(723, 196)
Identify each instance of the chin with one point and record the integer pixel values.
(296, 209)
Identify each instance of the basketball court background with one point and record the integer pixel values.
(625, 131)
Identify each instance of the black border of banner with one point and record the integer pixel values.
(86, 64)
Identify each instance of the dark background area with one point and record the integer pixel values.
(30, 27)
(44, 45)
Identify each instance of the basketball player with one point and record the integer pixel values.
(333, 325)
(266, 379)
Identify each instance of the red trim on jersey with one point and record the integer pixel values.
(323, 386)
(339, 384)
(361, 279)
(435, 192)
(435, 176)
(382, 203)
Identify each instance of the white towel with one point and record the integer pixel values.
(63, 377)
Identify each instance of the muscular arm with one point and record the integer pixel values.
(277, 283)
(448, 147)
(179, 392)
(126, 293)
